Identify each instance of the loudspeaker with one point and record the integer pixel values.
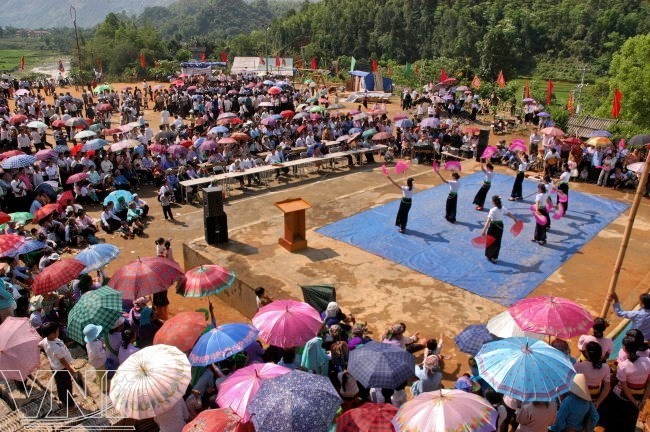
(212, 201)
(216, 229)
(483, 141)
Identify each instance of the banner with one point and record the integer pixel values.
(314, 63)
(570, 104)
(549, 92)
(476, 82)
(501, 81)
(22, 63)
(527, 90)
(443, 75)
(616, 103)
(373, 65)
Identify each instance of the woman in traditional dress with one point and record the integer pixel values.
(494, 228)
(563, 186)
(405, 204)
(517, 187)
(488, 171)
(452, 198)
(540, 210)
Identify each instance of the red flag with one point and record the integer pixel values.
(202, 57)
(99, 64)
(501, 81)
(262, 61)
(549, 92)
(476, 82)
(277, 60)
(314, 64)
(616, 104)
(284, 61)
(22, 63)
(143, 61)
(569, 104)
(224, 57)
(61, 68)
(443, 75)
(373, 65)
(527, 90)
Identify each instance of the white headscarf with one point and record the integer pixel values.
(332, 310)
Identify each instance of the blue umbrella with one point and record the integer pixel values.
(600, 133)
(525, 369)
(61, 148)
(115, 195)
(97, 256)
(472, 338)
(295, 402)
(31, 246)
(219, 129)
(382, 365)
(543, 114)
(277, 116)
(19, 161)
(268, 83)
(222, 342)
(94, 144)
(355, 130)
(404, 123)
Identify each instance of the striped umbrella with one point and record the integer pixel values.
(19, 161)
(182, 330)
(205, 280)
(10, 244)
(145, 276)
(57, 275)
(100, 307)
(97, 256)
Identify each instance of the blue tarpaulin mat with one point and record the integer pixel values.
(442, 250)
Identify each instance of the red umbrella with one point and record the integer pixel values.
(76, 149)
(218, 420)
(45, 211)
(66, 199)
(17, 118)
(58, 123)
(74, 178)
(369, 417)
(56, 275)
(382, 136)
(274, 90)
(182, 330)
(187, 143)
(10, 153)
(178, 83)
(240, 136)
(205, 280)
(450, 81)
(287, 113)
(572, 140)
(9, 244)
(145, 276)
(4, 218)
(112, 131)
(105, 107)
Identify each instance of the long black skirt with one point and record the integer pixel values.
(450, 208)
(495, 230)
(479, 198)
(403, 214)
(564, 187)
(517, 186)
(540, 229)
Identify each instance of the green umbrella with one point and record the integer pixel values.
(22, 217)
(316, 109)
(308, 81)
(369, 133)
(100, 307)
(101, 88)
(96, 127)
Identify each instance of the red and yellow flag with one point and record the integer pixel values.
(570, 104)
(476, 82)
(501, 81)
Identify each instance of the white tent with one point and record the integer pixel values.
(260, 65)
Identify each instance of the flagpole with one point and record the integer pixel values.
(628, 231)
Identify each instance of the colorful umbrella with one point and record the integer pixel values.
(219, 129)
(150, 381)
(504, 326)
(182, 330)
(287, 323)
(97, 256)
(222, 342)
(36, 125)
(240, 387)
(176, 150)
(217, 420)
(19, 161)
(205, 280)
(157, 148)
(599, 141)
(368, 133)
(57, 275)
(102, 87)
(382, 365)
(116, 195)
(31, 246)
(208, 145)
(45, 211)
(295, 402)
(444, 411)
(274, 90)
(472, 338)
(22, 217)
(145, 276)
(10, 153)
(525, 369)
(19, 352)
(46, 154)
(553, 131)
(10, 244)
(75, 178)
(100, 307)
(553, 316)
(369, 417)
(382, 136)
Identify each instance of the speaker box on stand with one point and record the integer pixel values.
(215, 220)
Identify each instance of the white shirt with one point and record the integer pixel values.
(454, 186)
(565, 177)
(488, 175)
(56, 351)
(496, 214)
(406, 193)
(540, 199)
(96, 354)
(523, 166)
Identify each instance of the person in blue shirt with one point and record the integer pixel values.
(577, 411)
(640, 318)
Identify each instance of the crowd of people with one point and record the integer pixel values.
(232, 123)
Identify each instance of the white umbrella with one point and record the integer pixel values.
(636, 167)
(504, 326)
(150, 381)
(85, 134)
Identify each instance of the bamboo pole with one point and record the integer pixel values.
(626, 235)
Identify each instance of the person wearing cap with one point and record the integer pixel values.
(60, 361)
(96, 352)
(577, 412)
(141, 205)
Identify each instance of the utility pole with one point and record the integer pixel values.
(266, 48)
(73, 15)
(584, 69)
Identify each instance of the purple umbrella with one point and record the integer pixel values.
(600, 133)
(543, 114)
(428, 122)
(528, 100)
(269, 121)
(208, 145)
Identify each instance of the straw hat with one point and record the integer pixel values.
(579, 387)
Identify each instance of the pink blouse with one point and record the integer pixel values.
(594, 377)
(634, 374)
(605, 343)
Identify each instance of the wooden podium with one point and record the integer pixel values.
(294, 224)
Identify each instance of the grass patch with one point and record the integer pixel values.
(561, 90)
(10, 59)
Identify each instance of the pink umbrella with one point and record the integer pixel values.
(145, 276)
(287, 323)
(553, 316)
(428, 122)
(176, 150)
(19, 353)
(269, 121)
(208, 145)
(157, 148)
(242, 386)
(227, 141)
(400, 116)
(553, 131)
(274, 90)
